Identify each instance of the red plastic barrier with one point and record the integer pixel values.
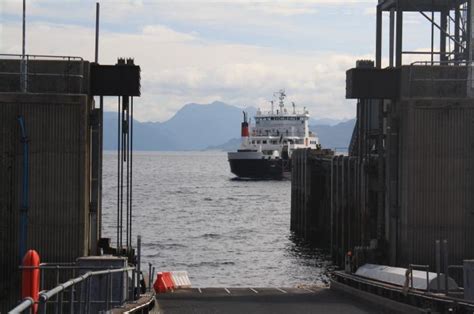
(168, 280)
(163, 282)
(31, 277)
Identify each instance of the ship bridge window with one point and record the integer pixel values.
(274, 142)
(264, 142)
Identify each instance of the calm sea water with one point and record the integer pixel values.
(194, 216)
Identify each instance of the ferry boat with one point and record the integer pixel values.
(266, 148)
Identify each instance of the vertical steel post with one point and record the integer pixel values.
(469, 32)
(130, 286)
(107, 291)
(432, 33)
(101, 127)
(81, 295)
(119, 160)
(378, 40)
(23, 48)
(149, 277)
(59, 303)
(152, 275)
(427, 280)
(392, 37)
(139, 258)
(95, 160)
(71, 299)
(94, 181)
(97, 12)
(41, 278)
(42, 305)
(399, 38)
(438, 264)
(131, 165)
(442, 40)
(446, 266)
(24, 75)
(457, 31)
(88, 295)
(111, 288)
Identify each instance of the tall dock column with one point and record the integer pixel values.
(420, 155)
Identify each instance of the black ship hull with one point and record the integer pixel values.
(276, 169)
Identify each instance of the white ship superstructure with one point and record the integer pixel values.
(267, 146)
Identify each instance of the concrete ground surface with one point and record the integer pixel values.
(260, 300)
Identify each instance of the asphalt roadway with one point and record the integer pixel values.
(260, 300)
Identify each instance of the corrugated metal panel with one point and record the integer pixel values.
(8, 208)
(57, 129)
(310, 197)
(437, 142)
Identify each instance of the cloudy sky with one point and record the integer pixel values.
(236, 51)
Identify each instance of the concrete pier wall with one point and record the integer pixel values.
(310, 196)
(423, 168)
(436, 180)
(57, 123)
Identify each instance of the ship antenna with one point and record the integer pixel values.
(282, 98)
(294, 107)
(271, 101)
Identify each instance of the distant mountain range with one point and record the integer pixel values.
(215, 126)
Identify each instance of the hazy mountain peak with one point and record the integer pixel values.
(198, 126)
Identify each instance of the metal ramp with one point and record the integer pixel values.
(260, 300)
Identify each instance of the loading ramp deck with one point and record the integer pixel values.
(260, 300)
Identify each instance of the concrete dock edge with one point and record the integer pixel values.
(390, 305)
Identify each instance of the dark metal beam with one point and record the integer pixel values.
(469, 32)
(457, 29)
(438, 27)
(392, 38)
(417, 5)
(378, 40)
(442, 35)
(399, 38)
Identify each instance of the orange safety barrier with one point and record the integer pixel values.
(168, 280)
(31, 277)
(163, 282)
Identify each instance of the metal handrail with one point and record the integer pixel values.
(447, 62)
(42, 56)
(23, 306)
(433, 65)
(426, 268)
(25, 73)
(44, 296)
(44, 74)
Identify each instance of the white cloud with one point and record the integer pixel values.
(166, 34)
(179, 68)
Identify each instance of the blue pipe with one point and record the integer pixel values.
(24, 201)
